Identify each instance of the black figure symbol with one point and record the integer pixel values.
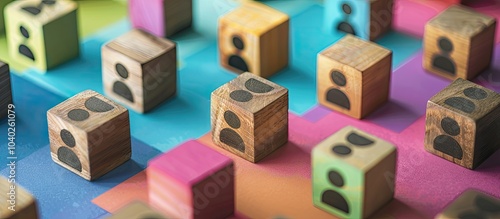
(228, 135)
(35, 10)
(121, 88)
(485, 207)
(443, 61)
(445, 143)
(331, 197)
(336, 96)
(64, 153)
(345, 26)
(235, 60)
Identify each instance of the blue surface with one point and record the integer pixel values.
(63, 194)
(359, 18)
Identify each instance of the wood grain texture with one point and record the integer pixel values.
(151, 66)
(472, 204)
(99, 138)
(25, 204)
(471, 36)
(262, 118)
(358, 167)
(5, 89)
(137, 210)
(381, 13)
(264, 33)
(364, 71)
(461, 123)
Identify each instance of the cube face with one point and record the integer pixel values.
(162, 18)
(89, 134)
(254, 38)
(202, 187)
(250, 117)
(137, 210)
(459, 120)
(353, 76)
(25, 204)
(365, 19)
(140, 70)
(472, 204)
(343, 182)
(458, 43)
(42, 34)
(5, 89)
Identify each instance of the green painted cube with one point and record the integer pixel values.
(353, 173)
(42, 34)
(3, 3)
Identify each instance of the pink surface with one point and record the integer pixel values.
(147, 15)
(190, 162)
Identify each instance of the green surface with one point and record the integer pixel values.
(3, 3)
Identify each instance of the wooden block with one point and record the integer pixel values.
(139, 70)
(250, 117)
(472, 204)
(458, 43)
(367, 19)
(43, 34)
(462, 122)
(16, 202)
(5, 89)
(137, 210)
(89, 134)
(192, 181)
(3, 3)
(353, 173)
(353, 76)
(254, 38)
(162, 18)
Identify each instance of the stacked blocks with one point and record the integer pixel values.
(254, 38)
(162, 18)
(458, 43)
(354, 76)
(89, 134)
(462, 121)
(137, 210)
(16, 202)
(43, 34)
(139, 70)
(250, 117)
(367, 19)
(353, 173)
(472, 204)
(5, 89)
(192, 181)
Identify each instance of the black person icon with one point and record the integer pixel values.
(344, 25)
(335, 95)
(121, 88)
(235, 60)
(228, 135)
(443, 60)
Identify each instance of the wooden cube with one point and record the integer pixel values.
(3, 3)
(43, 34)
(162, 18)
(254, 38)
(353, 76)
(458, 43)
(5, 89)
(137, 210)
(17, 203)
(367, 19)
(462, 122)
(472, 204)
(139, 70)
(89, 134)
(353, 173)
(192, 181)
(250, 117)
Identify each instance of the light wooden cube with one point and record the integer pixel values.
(353, 173)
(192, 181)
(162, 18)
(3, 3)
(5, 89)
(458, 43)
(353, 76)
(137, 210)
(43, 34)
(254, 38)
(462, 122)
(367, 19)
(472, 204)
(139, 70)
(17, 203)
(89, 134)
(250, 117)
